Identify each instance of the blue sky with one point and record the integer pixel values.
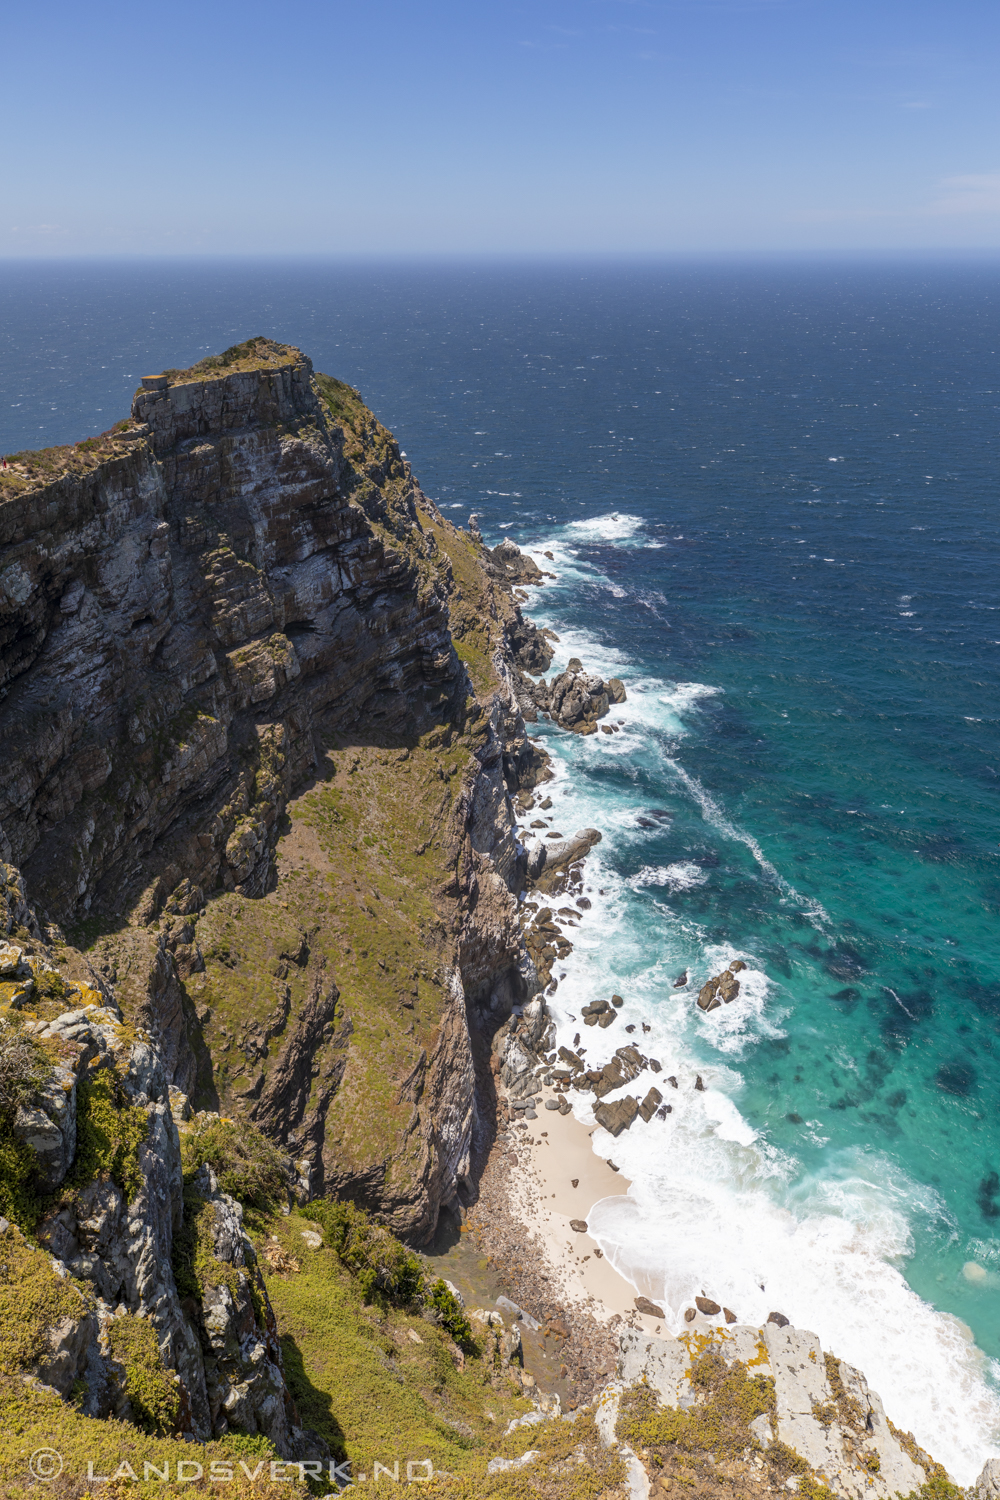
(413, 127)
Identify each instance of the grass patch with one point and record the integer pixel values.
(37, 1419)
(257, 353)
(357, 1376)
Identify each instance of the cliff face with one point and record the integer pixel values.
(259, 731)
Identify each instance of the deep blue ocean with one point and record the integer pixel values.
(770, 495)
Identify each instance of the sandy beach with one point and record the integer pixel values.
(554, 1151)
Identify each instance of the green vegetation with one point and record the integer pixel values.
(720, 1427)
(364, 856)
(109, 1132)
(37, 466)
(386, 1271)
(37, 1419)
(152, 1392)
(32, 1299)
(381, 1384)
(246, 1163)
(938, 1487)
(257, 353)
(343, 400)
(195, 1266)
(453, 1319)
(24, 1067)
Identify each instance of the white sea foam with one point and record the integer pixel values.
(613, 527)
(676, 877)
(714, 1205)
(714, 814)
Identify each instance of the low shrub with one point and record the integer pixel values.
(32, 1300)
(109, 1132)
(247, 1164)
(385, 1269)
(153, 1394)
(24, 1065)
(453, 1319)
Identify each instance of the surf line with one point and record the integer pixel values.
(712, 813)
(898, 1001)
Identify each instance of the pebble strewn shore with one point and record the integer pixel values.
(588, 1347)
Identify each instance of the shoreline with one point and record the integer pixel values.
(557, 1275)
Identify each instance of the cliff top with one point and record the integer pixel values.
(35, 467)
(253, 354)
(38, 466)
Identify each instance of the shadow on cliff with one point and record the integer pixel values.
(315, 1407)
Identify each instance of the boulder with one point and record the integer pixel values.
(737, 966)
(708, 996)
(650, 1105)
(643, 1305)
(515, 566)
(615, 689)
(681, 981)
(729, 988)
(778, 1319)
(707, 1306)
(618, 1116)
(847, 1443)
(13, 964)
(578, 1225)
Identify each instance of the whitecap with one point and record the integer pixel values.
(678, 877)
(614, 527)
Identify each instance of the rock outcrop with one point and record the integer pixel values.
(818, 1406)
(722, 989)
(575, 699)
(198, 612)
(103, 1156)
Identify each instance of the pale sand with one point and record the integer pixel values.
(542, 1197)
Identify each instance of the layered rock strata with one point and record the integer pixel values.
(199, 612)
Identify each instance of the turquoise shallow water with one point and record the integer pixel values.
(770, 496)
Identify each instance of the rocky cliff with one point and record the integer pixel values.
(259, 734)
(262, 720)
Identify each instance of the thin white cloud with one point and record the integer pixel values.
(972, 193)
(975, 193)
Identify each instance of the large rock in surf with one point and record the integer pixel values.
(618, 1116)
